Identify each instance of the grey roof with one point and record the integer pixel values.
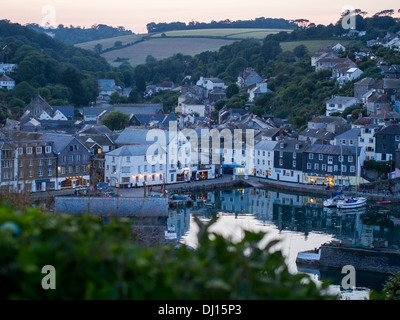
(138, 150)
(332, 150)
(265, 145)
(318, 134)
(67, 111)
(60, 141)
(139, 108)
(341, 100)
(350, 134)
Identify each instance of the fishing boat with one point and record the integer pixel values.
(352, 203)
(384, 202)
(333, 200)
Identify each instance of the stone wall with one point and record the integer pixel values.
(119, 207)
(374, 260)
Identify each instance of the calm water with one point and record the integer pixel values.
(300, 222)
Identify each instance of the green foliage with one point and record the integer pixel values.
(93, 261)
(116, 120)
(391, 290)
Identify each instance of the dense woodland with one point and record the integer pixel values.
(268, 23)
(73, 35)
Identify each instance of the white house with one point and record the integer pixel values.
(211, 83)
(191, 109)
(6, 82)
(264, 159)
(366, 140)
(7, 67)
(339, 104)
(350, 74)
(128, 166)
(258, 90)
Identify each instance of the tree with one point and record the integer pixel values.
(300, 51)
(116, 120)
(98, 48)
(24, 91)
(270, 49)
(231, 90)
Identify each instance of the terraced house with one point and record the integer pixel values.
(332, 165)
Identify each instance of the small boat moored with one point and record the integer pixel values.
(352, 203)
(384, 202)
(333, 200)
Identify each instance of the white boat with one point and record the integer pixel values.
(352, 203)
(333, 200)
(208, 204)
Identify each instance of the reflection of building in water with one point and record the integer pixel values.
(235, 201)
(179, 219)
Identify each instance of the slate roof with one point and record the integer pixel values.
(67, 111)
(350, 134)
(139, 150)
(331, 150)
(139, 108)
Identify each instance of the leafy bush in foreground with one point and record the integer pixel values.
(93, 261)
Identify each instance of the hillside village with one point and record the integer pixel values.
(54, 147)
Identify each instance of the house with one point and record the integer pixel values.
(258, 90)
(73, 160)
(321, 54)
(366, 140)
(174, 143)
(385, 118)
(94, 114)
(339, 104)
(316, 136)
(288, 161)
(6, 82)
(350, 74)
(188, 104)
(337, 47)
(377, 103)
(264, 158)
(332, 124)
(348, 138)
(149, 120)
(211, 83)
(216, 94)
(128, 167)
(393, 72)
(332, 165)
(363, 86)
(39, 109)
(138, 108)
(248, 78)
(8, 68)
(387, 141)
(106, 88)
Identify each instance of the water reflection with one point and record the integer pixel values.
(301, 222)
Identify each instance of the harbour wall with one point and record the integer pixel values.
(373, 260)
(117, 207)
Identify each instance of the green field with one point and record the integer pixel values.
(312, 45)
(108, 43)
(240, 33)
(161, 48)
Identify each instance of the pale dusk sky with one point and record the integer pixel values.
(134, 15)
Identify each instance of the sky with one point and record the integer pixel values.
(134, 15)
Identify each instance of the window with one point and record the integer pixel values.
(20, 151)
(113, 159)
(344, 168)
(335, 168)
(31, 163)
(280, 154)
(50, 172)
(294, 163)
(329, 168)
(138, 169)
(353, 169)
(40, 162)
(294, 155)
(145, 168)
(62, 170)
(350, 159)
(78, 158)
(311, 156)
(128, 159)
(153, 168)
(320, 157)
(40, 173)
(330, 159)
(153, 177)
(30, 173)
(340, 158)
(316, 166)
(70, 158)
(125, 169)
(29, 150)
(281, 162)
(70, 169)
(324, 167)
(308, 166)
(48, 149)
(50, 162)
(38, 150)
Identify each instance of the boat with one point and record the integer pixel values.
(208, 204)
(170, 234)
(384, 202)
(333, 200)
(351, 203)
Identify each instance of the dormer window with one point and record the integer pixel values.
(282, 145)
(297, 147)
